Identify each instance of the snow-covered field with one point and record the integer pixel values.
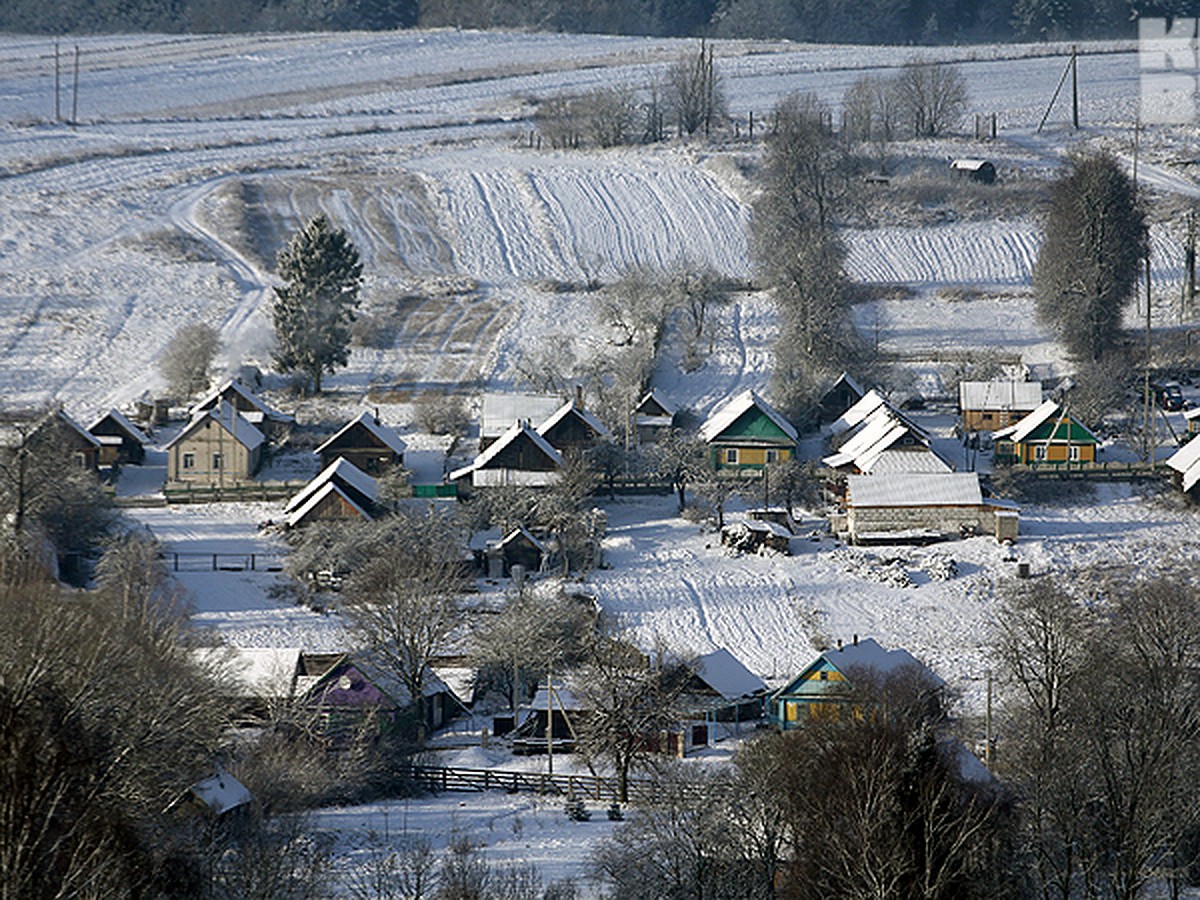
(195, 157)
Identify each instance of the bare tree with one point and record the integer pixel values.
(697, 95)
(187, 361)
(558, 121)
(404, 599)
(607, 116)
(932, 95)
(682, 458)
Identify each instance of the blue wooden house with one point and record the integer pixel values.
(824, 689)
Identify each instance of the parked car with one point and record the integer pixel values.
(1168, 395)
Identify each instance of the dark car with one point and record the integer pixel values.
(1168, 395)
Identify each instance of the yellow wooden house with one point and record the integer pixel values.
(1048, 435)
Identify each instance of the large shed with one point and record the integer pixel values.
(922, 506)
(992, 405)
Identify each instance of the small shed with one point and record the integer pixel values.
(980, 170)
(746, 434)
(340, 491)
(120, 440)
(520, 456)
(365, 441)
(653, 417)
(215, 797)
(824, 688)
(571, 427)
(754, 536)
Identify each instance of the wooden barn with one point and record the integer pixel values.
(824, 689)
(218, 447)
(918, 507)
(993, 405)
(1049, 434)
(121, 442)
(501, 411)
(653, 417)
(746, 434)
(979, 170)
(367, 443)
(341, 491)
(841, 396)
(571, 427)
(520, 456)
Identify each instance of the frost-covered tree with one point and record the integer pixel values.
(316, 304)
(1087, 268)
(186, 364)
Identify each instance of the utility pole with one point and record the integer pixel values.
(1075, 86)
(1149, 446)
(987, 724)
(549, 723)
(57, 69)
(75, 92)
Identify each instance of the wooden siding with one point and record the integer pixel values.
(990, 420)
(747, 456)
(237, 463)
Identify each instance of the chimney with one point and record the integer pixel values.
(856, 640)
(377, 415)
(579, 396)
(839, 643)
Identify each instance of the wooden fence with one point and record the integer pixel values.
(586, 787)
(224, 562)
(184, 492)
(1099, 471)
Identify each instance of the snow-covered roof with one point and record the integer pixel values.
(1003, 396)
(914, 460)
(1186, 461)
(384, 433)
(1028, 425)
(877, 433)
(653, 399)
(314, 499)
(734, 408)
(567, 409)
(83, 432)
(221, 792)
(340, 470)
(909, 489)
(726, 675)
(871, 401)
(522, 531)
(267, 673)
(228, 418)
(564, 698)
(500, 411)
(123, 421)
(1192, 413)
(968, 165)
(869, 654)
(210, 399)
(495, 448)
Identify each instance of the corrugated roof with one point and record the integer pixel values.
(228, 418)
(386, 434)
(909, 489)
(871, 401)
(913, 460)
(500, 411)
(734, 408)
(1186, 461)
(1004, 396)
(503, 441)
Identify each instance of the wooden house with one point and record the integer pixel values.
(218, 447)
(917, 507)
(746, 434)
(496, 554)
(843, 394)
(253, 680)
(824, 689)
(121, 442)
(520, 456)
(359, 690)
(652, 417)
(270, 422)
(980, 170)
(1185, 463)
(341, 491)
(993, 405)
(873, 437)
(49, 432)
(721, 694)
(573, 428)
(501, 411)
(1049, 434)
(367, 443)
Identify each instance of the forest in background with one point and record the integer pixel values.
(863, 21)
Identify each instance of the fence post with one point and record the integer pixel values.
(253, 563)
(214, 562)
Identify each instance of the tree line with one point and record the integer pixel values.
(881, 21)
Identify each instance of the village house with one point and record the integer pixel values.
(873, 437)
(652, 417)
(341, 491)
(50, 431)
(824, 689)
(573, 428)
(992, 405)
(367, 443)
(746, 434)
(497, 554)
(842, 395)
(1049, 434)
(915, 507)
(722, 698)
(270, 422)
(217, 448)
(121, 442)
(520, 456)
(1185, 463)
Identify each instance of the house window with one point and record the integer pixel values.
(731, 455)
(987, 417)
(216, 462)
(1039, 452)
(772, 456)
(1073, 454)
(824, 676)
(81, 460)
(189, 460)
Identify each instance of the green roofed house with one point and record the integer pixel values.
(1049, 434)
(746, 433)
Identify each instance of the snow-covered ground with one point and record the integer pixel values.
(195, 157)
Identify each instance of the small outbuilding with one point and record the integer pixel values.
(975, 169)
(121, 442)
(993, 405)
(1185, 463)
(365, 441)
(653, 417)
